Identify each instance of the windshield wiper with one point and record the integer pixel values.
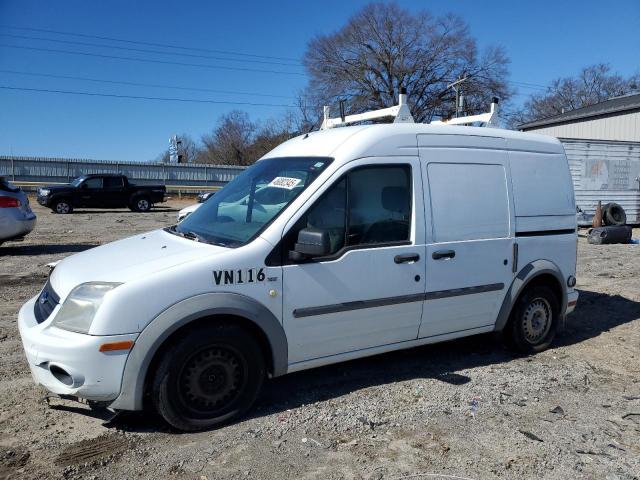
(190, 235)
(194, 236)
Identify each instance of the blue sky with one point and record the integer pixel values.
(544, 40)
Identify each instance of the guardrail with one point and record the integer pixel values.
(31, 172)
(28, 186)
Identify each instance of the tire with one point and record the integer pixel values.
(609, 235)
(62, 206)
(534, 320)
(209, 377)
(141, 204)
(614, 214)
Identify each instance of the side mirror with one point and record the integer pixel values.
(84, 186)
(312, 242)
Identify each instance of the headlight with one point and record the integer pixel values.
(44, 192)
(79, 308)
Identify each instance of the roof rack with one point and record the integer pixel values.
(401, 113)
(490, 119)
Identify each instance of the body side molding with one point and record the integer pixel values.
(384, 302)
(179, 315)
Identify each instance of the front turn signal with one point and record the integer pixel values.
(116, 346)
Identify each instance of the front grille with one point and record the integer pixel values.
(46, 302)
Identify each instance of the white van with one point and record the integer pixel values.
(336, 245)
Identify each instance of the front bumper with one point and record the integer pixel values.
(572, 300)
(92, 375)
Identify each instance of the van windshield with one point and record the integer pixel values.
(246, 205)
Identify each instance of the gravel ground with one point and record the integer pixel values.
(466, 409)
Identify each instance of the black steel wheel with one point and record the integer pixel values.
(211, 376)
(534, 320)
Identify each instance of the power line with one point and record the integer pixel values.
(145, 50)
(136, 84)
(139, 97)
(533, 86)
(152, 44)
(148, 60)
(165, 99)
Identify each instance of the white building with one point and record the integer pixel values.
(602, 142)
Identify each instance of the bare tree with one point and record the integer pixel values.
(230, 141)
(592, 85)
(236, 140)
(384, 47)
(272, 133)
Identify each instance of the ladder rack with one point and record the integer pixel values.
(402, 114)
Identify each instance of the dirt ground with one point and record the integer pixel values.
(463, 409)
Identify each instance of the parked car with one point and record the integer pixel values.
(204, 196)
(16, 217)
(336, 245)
(101, 191)
(186, 211)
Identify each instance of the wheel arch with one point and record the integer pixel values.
(188, 314)
(538, 272)
(54, 199)
(137, 194)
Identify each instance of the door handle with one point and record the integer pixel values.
(406, 258)
(440, 254)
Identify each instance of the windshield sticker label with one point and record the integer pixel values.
(284, 182)
(238, 277)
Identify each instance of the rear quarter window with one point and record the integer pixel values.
(541, 184)
(468, 201)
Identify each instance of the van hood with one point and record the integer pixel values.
(128, 259)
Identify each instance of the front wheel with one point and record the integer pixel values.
(210, 376)
(534, 321)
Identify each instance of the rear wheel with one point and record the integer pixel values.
(534, 321)
(141, 204)
(62, 206)
(209, 377)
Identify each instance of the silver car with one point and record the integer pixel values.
(16, 217)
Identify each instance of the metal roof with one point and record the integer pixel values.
(608, 107)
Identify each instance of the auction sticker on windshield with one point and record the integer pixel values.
(285, 182)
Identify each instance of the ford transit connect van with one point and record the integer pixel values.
(338, 244)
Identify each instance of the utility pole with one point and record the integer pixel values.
(457, 88)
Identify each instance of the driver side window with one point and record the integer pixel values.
(368, 206)
(95, 182)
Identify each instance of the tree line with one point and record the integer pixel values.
(382, 49)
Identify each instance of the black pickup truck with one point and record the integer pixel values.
(100, 191)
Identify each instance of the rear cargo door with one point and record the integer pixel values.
(470, 251)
